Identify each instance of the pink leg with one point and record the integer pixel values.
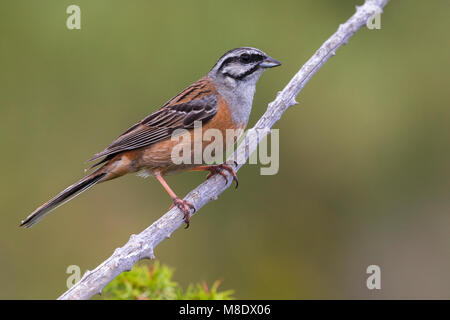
(183, 205)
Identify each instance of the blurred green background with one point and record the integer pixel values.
(364, 166)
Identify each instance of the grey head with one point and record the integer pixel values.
(236, 74)
(242, 64)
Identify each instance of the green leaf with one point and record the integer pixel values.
(155, 282)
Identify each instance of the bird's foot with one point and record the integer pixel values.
(185, 207)
(220, 169)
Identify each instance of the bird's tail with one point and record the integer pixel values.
(64, 196)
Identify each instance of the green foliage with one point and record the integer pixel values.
(155, 283)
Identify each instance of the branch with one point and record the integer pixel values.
(142, 245)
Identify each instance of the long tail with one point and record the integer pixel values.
(64, 196)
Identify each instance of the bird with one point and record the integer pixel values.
(220, 100)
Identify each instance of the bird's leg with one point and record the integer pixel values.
(183, 205)
(218, 169)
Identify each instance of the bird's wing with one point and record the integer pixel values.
(198, 102)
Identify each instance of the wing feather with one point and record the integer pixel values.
(198, 102)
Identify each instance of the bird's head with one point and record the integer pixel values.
(242, 65)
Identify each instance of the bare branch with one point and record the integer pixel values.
(142, 245)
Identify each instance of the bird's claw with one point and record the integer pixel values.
(185, 207)
(220, 168)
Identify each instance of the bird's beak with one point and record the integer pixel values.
(270, 62)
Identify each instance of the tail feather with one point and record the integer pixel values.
(63, 197)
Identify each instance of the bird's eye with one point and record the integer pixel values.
(245, 58)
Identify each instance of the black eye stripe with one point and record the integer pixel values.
(228, 61)
(249, 58)
(245, 58)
